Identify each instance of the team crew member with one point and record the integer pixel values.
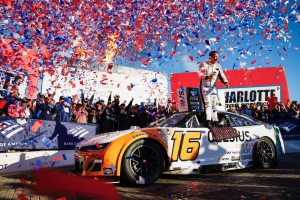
(209, 73)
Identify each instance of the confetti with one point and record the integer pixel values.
(38, 165)
(193, 186)
(36, 126)
(62, 198)
(62, 181)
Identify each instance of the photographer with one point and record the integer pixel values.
(80, 114)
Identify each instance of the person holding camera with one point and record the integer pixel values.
(80, 114)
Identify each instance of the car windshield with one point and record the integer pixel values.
(173, 120)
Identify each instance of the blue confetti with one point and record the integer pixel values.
(53, 164)
(129, 157)
(64, 157)
(38, 165)
(199, 162)
(182, 88)
(15, 187)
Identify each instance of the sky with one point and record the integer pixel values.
(165, 36)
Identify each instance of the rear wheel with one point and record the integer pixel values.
(265, 153)
(143, 162)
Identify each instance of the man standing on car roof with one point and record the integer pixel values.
(209, 72)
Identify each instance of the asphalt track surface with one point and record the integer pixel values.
(279, 183)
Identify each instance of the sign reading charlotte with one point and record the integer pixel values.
(249, 95)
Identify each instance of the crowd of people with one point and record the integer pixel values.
(112, 115)
(266, 112)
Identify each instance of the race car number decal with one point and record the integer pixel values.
(184, 147)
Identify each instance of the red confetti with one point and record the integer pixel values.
(57, 158)
(97, 145)
(36, 126)
(193, 186)
(191, 58)
(62, 182)
(62, 198)
(254, 61)
(22, 197)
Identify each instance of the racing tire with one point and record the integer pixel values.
(143, 162)
(265, 153)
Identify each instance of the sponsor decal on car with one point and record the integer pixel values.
(223, 159)
(3, 166)
(107, 171)
(247, 157)
(235, 158)
(242, 137)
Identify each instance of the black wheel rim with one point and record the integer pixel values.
(144, 161)
(265, 151)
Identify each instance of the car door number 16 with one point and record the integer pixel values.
(186, 146)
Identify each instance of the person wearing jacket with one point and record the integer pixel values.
(209, 72)
(15, 109)
(123, 113)
(45, 109)
(80, 114)
(63, 110)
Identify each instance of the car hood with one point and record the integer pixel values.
(104, 137)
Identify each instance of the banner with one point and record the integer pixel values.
(245, 84)
(289, 128)
(247, 95)
(31, 160)
(33, 134)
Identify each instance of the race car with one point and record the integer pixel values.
(180, 144)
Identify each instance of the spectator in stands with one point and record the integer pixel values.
(238, 108)
(28, 111)
(253, 109)
(282, 111)
(80, 114)
(92, 117)
(293, 111)
(262, 114)
(230, 109)
(63, 110)
(15, 109)
(144, 117)
(134, 116)
(123, 121)
(246, 111)
(109, 123)
(2, 104)
(101, 114)
(45, 109)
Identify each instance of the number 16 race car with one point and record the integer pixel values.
(180, 144)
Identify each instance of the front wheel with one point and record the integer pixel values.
(265, 153)
(143, 162)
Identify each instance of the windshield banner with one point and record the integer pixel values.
(29, 134)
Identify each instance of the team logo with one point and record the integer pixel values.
(287, 126)
(78, 131)
(10, 128)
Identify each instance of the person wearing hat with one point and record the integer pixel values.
(63, 110)
(80, 114)
(45, 110)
